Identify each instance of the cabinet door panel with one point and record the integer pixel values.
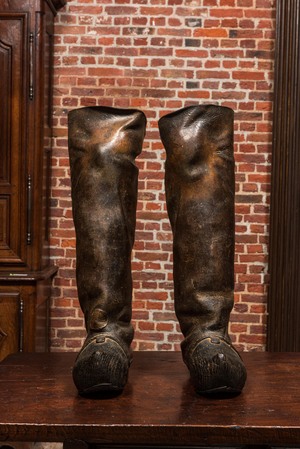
(13, 48)
(10, 329)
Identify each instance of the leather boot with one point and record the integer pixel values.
(103, 145)
(200, 184)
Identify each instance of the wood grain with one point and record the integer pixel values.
(284, 261)
(38, 402)
(26, 50)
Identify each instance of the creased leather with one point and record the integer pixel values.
(200, 185)
(103, 145)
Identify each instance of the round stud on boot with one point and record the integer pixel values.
(215, 367)
(101, 366)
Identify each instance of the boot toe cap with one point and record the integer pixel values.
(216, 367)
(101, 366)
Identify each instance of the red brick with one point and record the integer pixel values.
(210, 32)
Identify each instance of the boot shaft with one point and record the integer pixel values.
(103, 145)
(200, 186)
(199, 182)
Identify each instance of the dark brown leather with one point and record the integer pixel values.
(103, 145)
(200, 184)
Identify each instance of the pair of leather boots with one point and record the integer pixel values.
(199, 183)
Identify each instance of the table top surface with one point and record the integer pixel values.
(38, 402)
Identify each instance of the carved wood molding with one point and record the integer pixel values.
(284, 260)
(3, 336)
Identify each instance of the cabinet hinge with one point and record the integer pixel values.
(21, 325)
(29, 209)
(31, 65)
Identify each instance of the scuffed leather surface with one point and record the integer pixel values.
(200, 186)
(103, 145)
(199, 181)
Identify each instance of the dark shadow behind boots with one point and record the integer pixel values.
(199, 181)
(103, 145)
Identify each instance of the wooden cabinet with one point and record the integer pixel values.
(26, 50)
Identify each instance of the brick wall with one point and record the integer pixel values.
(158, 56)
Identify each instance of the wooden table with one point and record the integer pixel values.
(38, 402)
